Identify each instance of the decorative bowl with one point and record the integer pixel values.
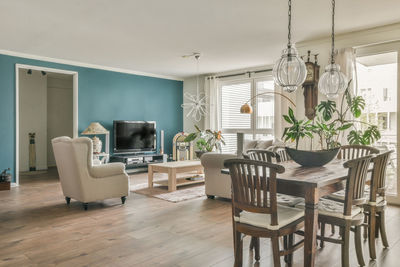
(312, 158)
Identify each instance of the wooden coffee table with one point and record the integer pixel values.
(172, 168)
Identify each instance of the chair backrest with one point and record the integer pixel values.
(254, 186)
(355, 182)
(73, 159)
(355, 151)
(378, 180)
(262, 155)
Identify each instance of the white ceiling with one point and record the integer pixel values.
(152, 35)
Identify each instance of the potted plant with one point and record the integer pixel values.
(330, 125)
(206, 140)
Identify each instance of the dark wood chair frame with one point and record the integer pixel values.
(254, 190)
(375, 212)
(354, 195)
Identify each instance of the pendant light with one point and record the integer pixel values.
(290, 70)
(332, 82)
(196, 104)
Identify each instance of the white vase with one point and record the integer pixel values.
(97, 145)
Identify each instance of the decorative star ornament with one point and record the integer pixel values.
(196, 105)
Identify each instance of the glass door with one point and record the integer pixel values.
(377, 78)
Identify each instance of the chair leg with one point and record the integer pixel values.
(68, 200)
(257, 248)
(238, 249)
(382, 228)
(345, 245)
(366, 227)
(290, 245)
(85, 205)
(275, 251)
(123, 199)
(358, 244)
(321, 243)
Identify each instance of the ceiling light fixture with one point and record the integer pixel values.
(332, 82)
(196, 103)
(290, 70)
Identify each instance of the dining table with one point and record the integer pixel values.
(311, 183)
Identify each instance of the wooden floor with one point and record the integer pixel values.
(37, 228)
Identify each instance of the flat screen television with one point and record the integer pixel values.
(134, 136)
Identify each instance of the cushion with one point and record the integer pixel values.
(249, 144)
(286, 215)
(340, 195)
(286, 200)
(334, 208)
(264, 144)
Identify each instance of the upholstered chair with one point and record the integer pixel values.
(83, 181)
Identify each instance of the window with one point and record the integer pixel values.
(259, 124)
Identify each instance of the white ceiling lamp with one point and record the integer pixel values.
(290, 70)
(332, 82)
(196, 104)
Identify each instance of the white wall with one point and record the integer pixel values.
(59, 111)
(32, 118)
(189, 86)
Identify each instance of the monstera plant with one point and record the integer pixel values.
(331, 123)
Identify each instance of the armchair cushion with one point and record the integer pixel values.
(105, 170)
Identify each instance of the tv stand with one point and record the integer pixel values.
(138, 162)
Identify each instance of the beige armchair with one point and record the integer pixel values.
(216, 183)
(81, 180)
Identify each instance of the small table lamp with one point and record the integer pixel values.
(93, 129)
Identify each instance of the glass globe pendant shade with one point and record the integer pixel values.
(290, 70)
(332, 82)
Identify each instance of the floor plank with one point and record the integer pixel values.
(37, 228)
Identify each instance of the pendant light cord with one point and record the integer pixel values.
(290, 24)
(333, 33)
(197, 74)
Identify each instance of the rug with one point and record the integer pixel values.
(161, 192)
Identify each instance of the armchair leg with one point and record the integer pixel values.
(123, 199)
(68, 200)
(85, 205)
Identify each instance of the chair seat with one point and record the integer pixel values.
(289, 201)
(286, 215)
(333, 208)
(340, 195)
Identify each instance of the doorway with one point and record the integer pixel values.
(378, 83)
(46, 107)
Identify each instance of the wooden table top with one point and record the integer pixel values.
(331, 173)
(178, 164)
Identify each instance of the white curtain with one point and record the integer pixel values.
(212, 119)
(346, 58)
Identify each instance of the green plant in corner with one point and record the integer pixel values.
(206, 140)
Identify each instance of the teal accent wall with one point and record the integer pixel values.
(104, 96)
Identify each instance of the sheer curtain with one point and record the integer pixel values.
(212, 120)
(346, 58)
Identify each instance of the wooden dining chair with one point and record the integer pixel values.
(348, 152)
(375, 208)
(255, 211)
(347, 215)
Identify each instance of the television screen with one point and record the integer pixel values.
(134, 136)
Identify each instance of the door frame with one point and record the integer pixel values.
(382, 49)
(74, 104)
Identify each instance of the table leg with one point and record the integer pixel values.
(150, 176)
(171, 179)
(310, 226)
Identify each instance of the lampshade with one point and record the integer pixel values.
(246, 109)
(332, 81)
(95, 128)
(290, 70)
